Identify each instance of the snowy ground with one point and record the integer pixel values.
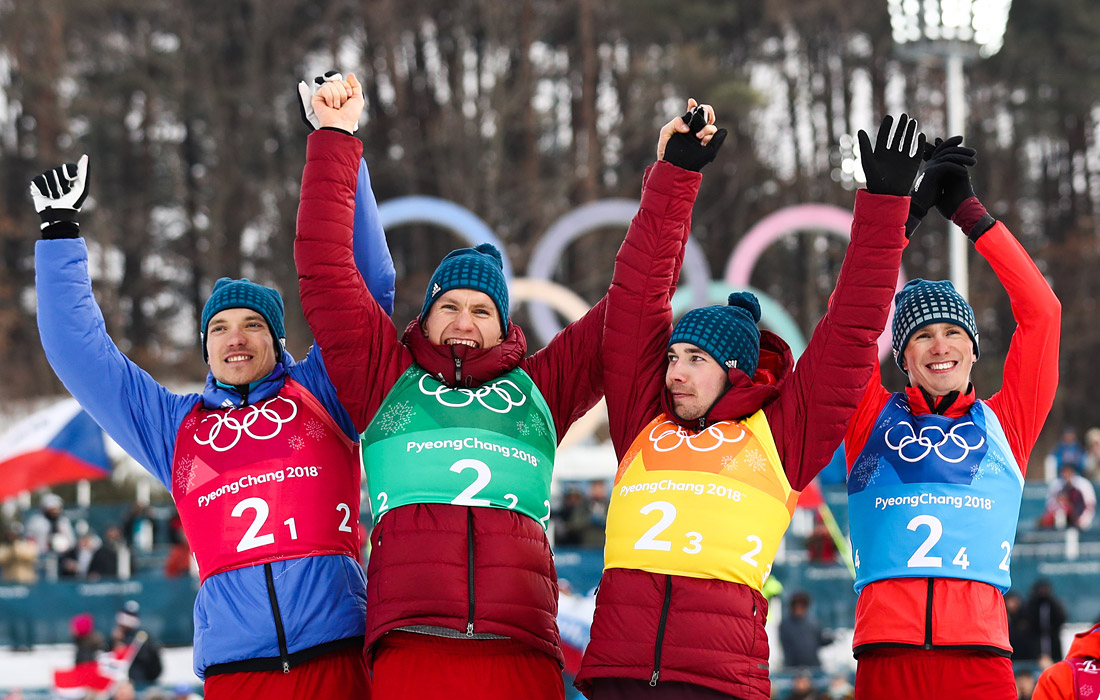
(33, 670)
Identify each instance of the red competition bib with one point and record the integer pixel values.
(1086, 678)
(277, 480)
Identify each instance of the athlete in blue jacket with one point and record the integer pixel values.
(281, 606)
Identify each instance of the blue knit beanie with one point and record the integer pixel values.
(922, 302)
(480, 269)
(727, 333)
(229, 293)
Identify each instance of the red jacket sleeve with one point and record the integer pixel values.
(358, 340)
(1031, 367)
(816, 403)
(639, 302)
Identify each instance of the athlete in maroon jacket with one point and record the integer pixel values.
(717, 433)
(461, 591)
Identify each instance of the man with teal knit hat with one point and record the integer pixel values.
(935, 473)
(460, 429)
(262, 464)
(717, 432)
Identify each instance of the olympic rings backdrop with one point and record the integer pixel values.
(546, 296)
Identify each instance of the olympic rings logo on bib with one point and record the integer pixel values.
(925, 444)
(488, 395)
(667, 436)
(237, 428)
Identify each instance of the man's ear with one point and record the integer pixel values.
(903, 364)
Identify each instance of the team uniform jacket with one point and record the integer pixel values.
(1075, 678)
(939, 612)
(710, 632)
(471, 570)
(254, 618)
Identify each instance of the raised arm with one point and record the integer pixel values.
(832, 375)
(362, 354)
(647, 268)
(137, 412)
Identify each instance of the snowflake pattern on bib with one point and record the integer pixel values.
(396, 418)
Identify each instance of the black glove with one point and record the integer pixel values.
(952, 202)
(944, 159)
(685, 150)
(956, 189)
(58, 195)
(305, 99)
(890, 168)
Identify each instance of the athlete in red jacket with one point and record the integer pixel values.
(717, 433)
(935, 475)
(1078, 676)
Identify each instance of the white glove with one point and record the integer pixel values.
(305, 98)
(58, 195)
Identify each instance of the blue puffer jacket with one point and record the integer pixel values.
(322, 599)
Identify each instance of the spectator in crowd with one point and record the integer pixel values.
(1068, 451)
(18, 555)
(1092, 454)
(1078, 676)
(1045, 616)
(1025, 684)
(839, 689)
(137, 528)
(75, 562)
(112, 558)
(178, 562)
(802, 688)
(820, 547)
(50, 528)
(1071, 500)
(1018, 633)
(88, 642)
(572, 518)
(146, 667)
(17, 561)
(800, 634)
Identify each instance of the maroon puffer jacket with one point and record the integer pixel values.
(657, 627)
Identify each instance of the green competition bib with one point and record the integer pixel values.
(491, 447)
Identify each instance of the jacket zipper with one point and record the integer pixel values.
(661, 633)
(928, 618)
(458, 369)
(279, 631)
(470, 568)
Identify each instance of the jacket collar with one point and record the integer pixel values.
(462, 366)
(953, 405)
(216, 395)
(745, 396)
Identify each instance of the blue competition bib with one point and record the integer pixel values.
(934, 496)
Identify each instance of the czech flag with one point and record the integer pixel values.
(56, 445)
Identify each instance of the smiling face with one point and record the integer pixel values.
(240, 346)
(463, 317)
(694, 380)
(939, 358)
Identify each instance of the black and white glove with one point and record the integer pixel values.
(305, 98)
(58, 195)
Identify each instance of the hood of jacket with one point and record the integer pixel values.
(460, 366)
(745, 396)
(1086, 644)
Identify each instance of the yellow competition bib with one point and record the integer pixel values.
(711, 504)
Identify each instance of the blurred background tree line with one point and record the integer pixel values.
(519, 111)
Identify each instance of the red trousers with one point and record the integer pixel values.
(424, 667)
(337, 675)
(922, 674)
